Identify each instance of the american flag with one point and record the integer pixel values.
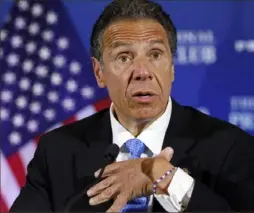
(46, 81)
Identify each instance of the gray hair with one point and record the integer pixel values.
(130, 9)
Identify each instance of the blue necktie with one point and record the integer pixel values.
(140, 204)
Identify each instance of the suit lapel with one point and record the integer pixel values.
(177, 134)
(98, 136)
(99, 130)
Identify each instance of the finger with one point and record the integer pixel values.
(167, 153)
(96, 174)
(99, 187)
(105, 195)
(112, 168)
(118, 204)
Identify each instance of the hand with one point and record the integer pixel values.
(129, 179)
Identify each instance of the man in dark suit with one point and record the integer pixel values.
(172, 157)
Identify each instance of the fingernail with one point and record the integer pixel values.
(89, 192)
(91, 201)
(96, 174)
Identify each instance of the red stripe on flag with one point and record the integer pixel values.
(70, 120)
(37, 139)
(3, 206)
(17, 168)
(102, 104)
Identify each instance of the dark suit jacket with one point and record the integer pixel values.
(218, 155)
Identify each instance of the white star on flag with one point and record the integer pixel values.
(37, 10)
(9, 77)
(13, 59)
(30, 47)
(35, 107)
(63, 43)
(27, 65)
(4, 114)
(18, 120)
(20, 23)
(23, 5)
(33, 28)
(3, 35)
(16, 41)
(24, 83)
(15, 138)
(44, 53)
(75, 67)
(21, 102)
(6, 96)
(51, 17)
(48, 35)
(32, 125)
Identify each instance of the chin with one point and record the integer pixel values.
(146, 114)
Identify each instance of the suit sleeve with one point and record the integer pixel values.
(34, 196)
(234, 190)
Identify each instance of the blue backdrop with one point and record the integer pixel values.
(215, 58)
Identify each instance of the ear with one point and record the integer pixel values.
(98, 72)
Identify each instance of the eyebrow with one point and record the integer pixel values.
(158, 41)
(118, 44)
(122, 43)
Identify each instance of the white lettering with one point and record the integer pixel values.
(242, 103)
(208, 54)
(196, 54)
(244, 120)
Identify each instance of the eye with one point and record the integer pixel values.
(156, 54)
(123, 58)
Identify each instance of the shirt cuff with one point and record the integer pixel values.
(179, 190)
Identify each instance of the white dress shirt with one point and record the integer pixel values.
(182, 184)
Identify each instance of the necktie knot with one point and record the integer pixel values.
(136, 147)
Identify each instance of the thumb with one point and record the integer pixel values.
(167, 153)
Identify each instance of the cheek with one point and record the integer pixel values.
(117, 75)
(163, 72)
(112, 73)
(119, 68)
(115, 82)
(162, 64)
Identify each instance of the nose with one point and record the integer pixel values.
(141, 72)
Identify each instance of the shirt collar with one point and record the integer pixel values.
(152, 136)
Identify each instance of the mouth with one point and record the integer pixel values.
(144, 97)
(143, 94)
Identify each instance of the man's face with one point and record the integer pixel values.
(137, 68)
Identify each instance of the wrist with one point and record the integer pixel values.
(161, 184)
(155, 169)
(162, 187)
(162, 174)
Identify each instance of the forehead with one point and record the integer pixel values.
(132, 31)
